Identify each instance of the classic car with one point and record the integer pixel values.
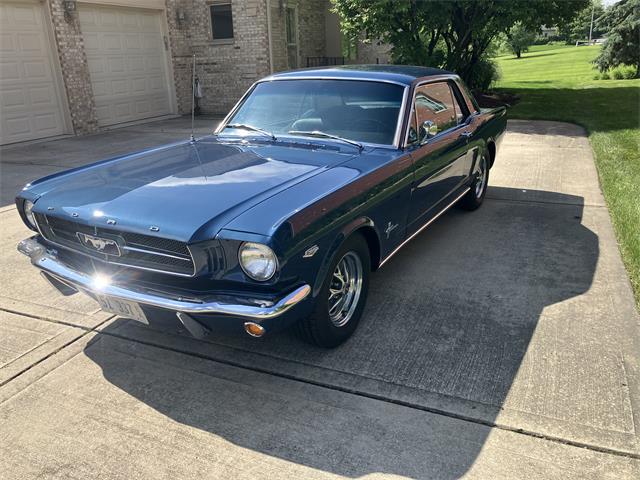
(315, 179)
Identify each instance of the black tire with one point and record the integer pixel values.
(474, 197)
(320, 328)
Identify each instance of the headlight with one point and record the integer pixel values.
(257, 261)
(28, 207)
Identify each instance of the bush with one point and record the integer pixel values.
(483, 75)
(621, 72)
(596, 76)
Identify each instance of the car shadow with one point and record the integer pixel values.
(448, 323)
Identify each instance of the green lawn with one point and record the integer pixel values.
(556, 83)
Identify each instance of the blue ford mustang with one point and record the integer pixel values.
(314, 180)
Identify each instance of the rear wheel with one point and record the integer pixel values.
(342, 298)
(474, 197)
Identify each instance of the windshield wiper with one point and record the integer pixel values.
(244, 126)
(318, 133)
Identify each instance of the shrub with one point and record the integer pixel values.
(484, 73)
(605, 76)
(629, 73)
(596, 76)
(617, 74)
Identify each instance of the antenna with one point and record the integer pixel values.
(193, 96)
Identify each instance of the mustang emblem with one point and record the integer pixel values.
(102, 245)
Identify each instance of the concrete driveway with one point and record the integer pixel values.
(502, 343)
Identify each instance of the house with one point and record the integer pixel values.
(549, 32)
(73, 67)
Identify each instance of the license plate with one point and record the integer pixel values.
(124, 308)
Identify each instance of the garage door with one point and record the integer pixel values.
(30, 100)
(127, 63)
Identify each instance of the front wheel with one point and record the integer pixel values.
(342, 298)
(474, 197)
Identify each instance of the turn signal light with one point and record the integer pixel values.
(254, 329)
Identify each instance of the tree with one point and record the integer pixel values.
(579, 28)
(519, 39)
(452, 34)
(623, 41)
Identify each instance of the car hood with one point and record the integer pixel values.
(186, 191)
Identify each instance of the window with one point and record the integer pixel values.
(221, 21)
(292, 36)
(359, 110)
(461, 111)
(434, 103)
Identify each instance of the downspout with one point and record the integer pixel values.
(269, 36)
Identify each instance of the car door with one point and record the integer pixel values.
(439, 148)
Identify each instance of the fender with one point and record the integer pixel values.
(342, 235)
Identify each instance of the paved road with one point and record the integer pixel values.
(502, 343)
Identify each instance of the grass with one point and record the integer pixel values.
(556, 82)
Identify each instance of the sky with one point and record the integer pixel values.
(606, 3)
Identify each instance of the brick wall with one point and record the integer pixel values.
(278, 37)
(75, 69)
(311, 25)
(225, 69)
(311, 31)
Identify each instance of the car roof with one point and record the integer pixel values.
(404, 74)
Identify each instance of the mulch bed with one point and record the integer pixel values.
(496, 99)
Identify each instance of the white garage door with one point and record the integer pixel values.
(30, 101)
(125, 51)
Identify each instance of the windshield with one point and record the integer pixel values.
(361, 111)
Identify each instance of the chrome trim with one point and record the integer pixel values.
(399, 121)
(249, 308)
(329, 77)
(433, 219)
(146, 269)
(153, 252)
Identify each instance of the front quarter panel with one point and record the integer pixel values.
(372, 190)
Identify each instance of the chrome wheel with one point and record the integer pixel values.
(482, 178)
(345, 289)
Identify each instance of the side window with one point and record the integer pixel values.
(461, 113)
(434, 103)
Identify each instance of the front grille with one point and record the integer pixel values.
(137, 250)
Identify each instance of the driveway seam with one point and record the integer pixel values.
(85, 330)
(435, 411)
(545, 202)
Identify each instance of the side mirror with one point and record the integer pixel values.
(428, 129)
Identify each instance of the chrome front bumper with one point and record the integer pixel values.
(66, 280)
